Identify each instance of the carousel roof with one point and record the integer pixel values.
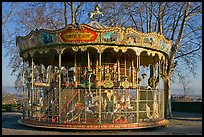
(98, 25)
(93, 34)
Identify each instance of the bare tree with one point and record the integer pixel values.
(185, 84)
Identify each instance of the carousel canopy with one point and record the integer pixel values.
(93, 34)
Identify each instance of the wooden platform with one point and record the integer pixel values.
(83, 126)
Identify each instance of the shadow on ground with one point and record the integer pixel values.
(175, 127)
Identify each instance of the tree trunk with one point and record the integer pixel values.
(73, 15)
(114, 14)
(167, 98)
(147, 18)
(160, 25)
(150, 18)
(172, 65)
(65, 13)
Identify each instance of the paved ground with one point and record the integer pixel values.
(182, 124)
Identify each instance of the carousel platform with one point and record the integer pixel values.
(81, 126)
(175, 127)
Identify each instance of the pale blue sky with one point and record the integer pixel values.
(7, 79)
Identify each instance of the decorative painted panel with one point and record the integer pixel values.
(78, 35)
(48, 38)
(83, 35)
(111, 36)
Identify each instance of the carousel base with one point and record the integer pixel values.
(161, 123)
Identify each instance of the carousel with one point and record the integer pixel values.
(93, 77)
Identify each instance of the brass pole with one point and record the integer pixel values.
(32, 88)
(138, 69)
(88, 60)
(59, 75)
(100, 90)
(79, 99)
(75, 65)
(23, 104)
(89, 74)
(137, 85)
(159, 87)
(163, 106)
(125, 65)
(133, 75)
(118, 60)
(32, 73)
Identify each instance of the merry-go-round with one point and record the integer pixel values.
(93, 77)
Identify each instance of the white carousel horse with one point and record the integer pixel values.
(109, 94)
(128, 98)
(105, 104)
(155, 113)
(79, 109)
(97, 11)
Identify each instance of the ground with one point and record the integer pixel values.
(182, 124)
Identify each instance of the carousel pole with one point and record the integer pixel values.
(68, 75)
(163, 96)
(89, 71)
(28, 96)
(97, 72)
(32, 65)
(125, 64)
(23, 98)
(88, 60)
(60, 51)
(36, 90)
(138, 70)
(137, 100)
(75, 65)
(100, 90)
(137, 84)
(133, 75)
(159, 85)
(118, 62)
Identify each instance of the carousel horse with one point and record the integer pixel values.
(78, 109)
(97, 11)
(109, 94)
(155, 113)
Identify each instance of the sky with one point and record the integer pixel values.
(8, 80)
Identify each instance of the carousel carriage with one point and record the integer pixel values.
(93, 77)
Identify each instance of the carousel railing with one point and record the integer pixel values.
(125, 110)
(117, 105)
(64, 109)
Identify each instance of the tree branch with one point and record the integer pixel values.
(9, 15)
(65, 13)
(152, 12)
(188, 52)
(77, 10)
(133, 20)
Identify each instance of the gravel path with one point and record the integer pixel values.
(182, 124)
